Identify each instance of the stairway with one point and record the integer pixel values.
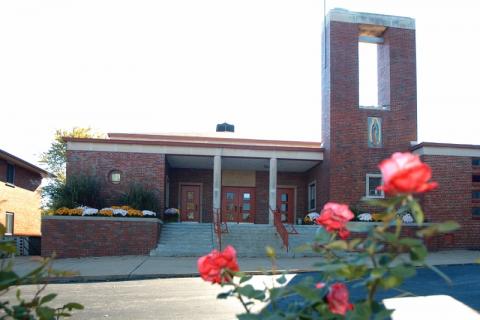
(306, 234)
(250, 240)
(194, 240)
(185, 240)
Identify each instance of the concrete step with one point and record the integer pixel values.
(250, 240)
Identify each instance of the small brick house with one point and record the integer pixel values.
(20, 197)
(245, 178)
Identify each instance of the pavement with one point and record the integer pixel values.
(146, 267)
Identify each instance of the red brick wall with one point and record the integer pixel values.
(142, 168)
(73, 237)
(452, 200)
(347, 156)
(23, 199)
(195, 176)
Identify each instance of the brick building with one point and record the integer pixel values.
(244, 178)
(20, 196)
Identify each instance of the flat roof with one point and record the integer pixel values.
(446, 149)
(344, 15)
(202, 141)
(24, 164)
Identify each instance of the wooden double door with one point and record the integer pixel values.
(238, 204)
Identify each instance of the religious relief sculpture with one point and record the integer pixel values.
(374, 132)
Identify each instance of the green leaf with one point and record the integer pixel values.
(224, 295)
(245, 278)
(418, 253)
(448, 226)
(322, 236)
(391, 281)
(73, 305)
(410, 242)
(337, 245)
(45, 313)
(249, 292)
(416, 211)
(360, 227)
(282, 280)
(48, 298)
(403, 271)
(248, 316)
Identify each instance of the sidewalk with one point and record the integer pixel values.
(145, 267)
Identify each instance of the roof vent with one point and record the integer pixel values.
(225, 127)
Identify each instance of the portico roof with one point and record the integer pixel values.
(189, 145)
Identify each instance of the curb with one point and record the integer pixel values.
(130, 277)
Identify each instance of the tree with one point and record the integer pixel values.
(55, 160)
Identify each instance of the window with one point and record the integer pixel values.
(312, 196)
(115, 176)
(476, 178)
(10, 173)
(476, 195)
(476, 212)
(475, 162)
(9, 223)
(373, 181)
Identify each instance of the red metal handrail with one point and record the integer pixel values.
(282, 231)
(217, 226)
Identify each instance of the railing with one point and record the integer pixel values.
(282, 231)
(219, 226)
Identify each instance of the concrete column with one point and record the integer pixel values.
(217, 181)
(272, 194)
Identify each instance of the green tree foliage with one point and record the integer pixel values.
(55, 158)
(57, 190)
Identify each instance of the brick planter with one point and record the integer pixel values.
(438, 242)
(73, 237)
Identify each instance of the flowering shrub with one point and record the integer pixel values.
(114, 211)
(380, 261)
(107, 212)
(68, 212)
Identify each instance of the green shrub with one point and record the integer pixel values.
(140, 198)
(76, 191)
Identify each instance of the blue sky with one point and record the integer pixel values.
(186, 65)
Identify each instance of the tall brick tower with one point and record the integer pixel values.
(355, 137)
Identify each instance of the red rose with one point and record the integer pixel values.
(337, 298)
(405, 173)
(212, 265)
(334, 217)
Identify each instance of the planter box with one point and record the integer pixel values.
(74, 237)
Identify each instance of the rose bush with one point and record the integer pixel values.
(380, 261)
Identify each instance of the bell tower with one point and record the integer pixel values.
(357, 137)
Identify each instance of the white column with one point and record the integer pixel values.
(272, 195)
(217, 181)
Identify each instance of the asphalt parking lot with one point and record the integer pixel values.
(465, 285)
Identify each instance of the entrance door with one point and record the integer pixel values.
(238, 204)
(190, 203)
(286, 204)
